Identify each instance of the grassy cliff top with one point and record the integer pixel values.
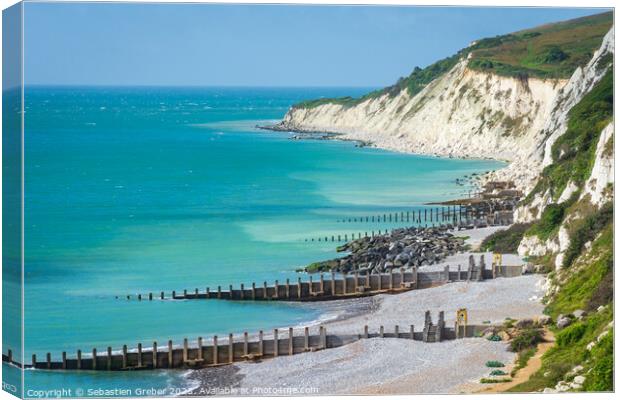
(548, 51)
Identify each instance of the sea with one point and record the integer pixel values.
(134, 190)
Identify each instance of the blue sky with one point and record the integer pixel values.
(223, 45)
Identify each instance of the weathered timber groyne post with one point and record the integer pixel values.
(358, 285)
(198, 355)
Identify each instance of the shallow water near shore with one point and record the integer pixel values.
(138, 190)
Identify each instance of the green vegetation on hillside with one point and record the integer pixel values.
(573, 153)
(415, 82)
(550, 220)
(505, 241)
(549, 51)
(571, 350)
(588, 288)
(587, 285)
(585, 230)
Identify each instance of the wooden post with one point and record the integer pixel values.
(411, 332)
(381, 333)
(264, 289)
(139, 297)
(245, 343)
(357, 280)
(94, 358)
(215, 349)
(396, 331)
(230, 292)
(185, 350)
(219, 292)
(261, 343)
(34, 361)
(154, 355)
(275, 342)
(253, 290)
(333, 286)
(242, 291)
(200, 355)
(79, 359)
(139, 355)
(124, 364)
(150, 296)
(185, 293)
(231, 348)
(311, 286)
(48, 358)
(306, 339)
(459, 272)
(64, 360)
(344, 283)
(391, 279)
(170, 355)
(299, 288)
(365, 331)
(161, 295)
(290, 341)
(276, 287)
(288, 288)
(109, 359)
(208, 293)
(323, 337)
(322, 286)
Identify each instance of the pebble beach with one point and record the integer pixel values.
(393, 366)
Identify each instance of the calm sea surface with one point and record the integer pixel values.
(137, 190)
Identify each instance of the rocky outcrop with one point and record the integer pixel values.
(602, 176)
(401, 248)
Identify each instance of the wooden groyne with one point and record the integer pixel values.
(234, 348)
(496, 219)
(333, 287)
(434, 214)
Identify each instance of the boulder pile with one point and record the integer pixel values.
(401, 248)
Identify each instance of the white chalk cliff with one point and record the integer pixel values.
(469, 113)
(464, 113)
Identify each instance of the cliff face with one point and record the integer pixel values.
(596, 189)
(464, 113)
(493, 99)
(580, 83)
(470, 113)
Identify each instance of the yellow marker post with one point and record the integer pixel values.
(461, 321)
(497, 262)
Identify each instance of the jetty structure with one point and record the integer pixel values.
(343, 286)
(238, 348)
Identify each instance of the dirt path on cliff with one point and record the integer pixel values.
(524, 373)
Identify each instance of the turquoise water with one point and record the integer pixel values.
(137, 190)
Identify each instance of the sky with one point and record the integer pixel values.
(253, 45)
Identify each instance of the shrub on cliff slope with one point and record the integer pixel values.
(577, 288)
(574, 152)
(586, 230)
(505, 241)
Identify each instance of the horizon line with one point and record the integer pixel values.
(59, 85)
